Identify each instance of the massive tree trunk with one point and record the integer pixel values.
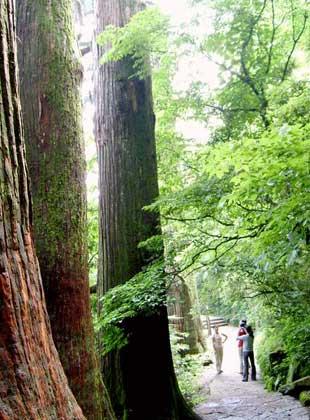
(50, 75)
(33, 384)
(140, 377)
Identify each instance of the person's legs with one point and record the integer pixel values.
(241, 359)
(253, 368)
(245, 366)
(220, 350)
(218, 358)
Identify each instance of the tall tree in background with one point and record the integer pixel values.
(140, 376)
(182, 317)
(50, 75)
(32, 381)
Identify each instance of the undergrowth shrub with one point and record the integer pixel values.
(283, 347)
(188, 368)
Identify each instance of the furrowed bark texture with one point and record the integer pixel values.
(33, 384)
(50, 75)
(140, 377)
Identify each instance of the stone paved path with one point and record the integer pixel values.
(232, 399)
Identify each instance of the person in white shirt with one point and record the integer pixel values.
(218, 348)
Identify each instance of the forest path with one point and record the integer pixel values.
(230, 398)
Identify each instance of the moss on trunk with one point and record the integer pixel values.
(50, 75)
(33, 384)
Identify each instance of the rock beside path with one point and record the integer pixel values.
(232, 399)
(296, 387)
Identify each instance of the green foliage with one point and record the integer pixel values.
(291, 336)
(256, 46)
(296, 337)
(304, 398)
(271, 343)
(142, 295)
(142, 39)
(290, 103)
(153, 245)
(268, 177)
(241, 218)
(244, 223)
(220, 294)
(188, 368)
(251, 190)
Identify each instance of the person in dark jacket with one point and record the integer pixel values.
(248, 354)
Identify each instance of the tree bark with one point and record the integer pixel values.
(33, 384)
(140, 377)
(197, 318)
(181, 307)
(50, 76)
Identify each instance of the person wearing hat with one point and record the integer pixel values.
(241, 331)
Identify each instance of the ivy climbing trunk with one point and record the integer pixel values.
(33, 384)
(50, 75)
(140, 377)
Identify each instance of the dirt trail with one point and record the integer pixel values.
(230, 398)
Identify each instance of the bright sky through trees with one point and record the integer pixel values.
(177, 9)
(191, 68)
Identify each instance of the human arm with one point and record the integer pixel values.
(242, 337)
(241, 331)
(225, 337)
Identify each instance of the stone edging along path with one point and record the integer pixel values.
(230, 398)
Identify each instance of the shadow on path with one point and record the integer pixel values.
(230, 398)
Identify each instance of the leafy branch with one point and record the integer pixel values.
(296, 38)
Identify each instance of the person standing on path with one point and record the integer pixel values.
(218, 348)
(241, 331)
(248, 354)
